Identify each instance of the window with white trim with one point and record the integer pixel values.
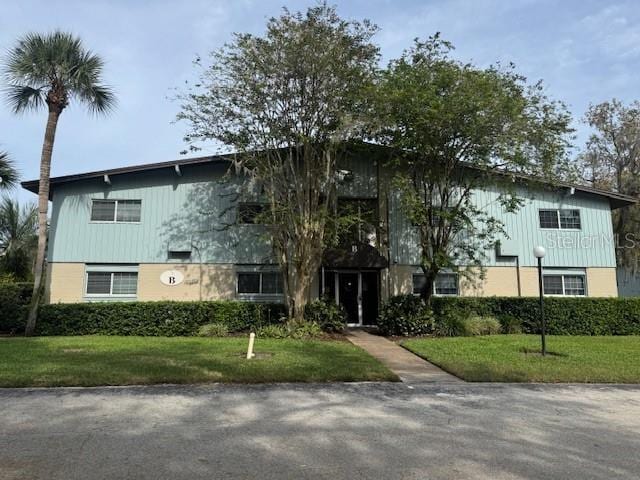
(116, 211)
(564, 284)
(111, 281)
(446, 283)
(563, 219)
(260, 283)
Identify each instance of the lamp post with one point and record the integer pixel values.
(539, 252)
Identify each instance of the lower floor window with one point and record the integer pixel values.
(260, 283)
(102, 282)
(561, 284)
(446, 283)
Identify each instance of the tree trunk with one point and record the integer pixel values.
(43, 207)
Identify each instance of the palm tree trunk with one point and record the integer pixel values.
(43, 207)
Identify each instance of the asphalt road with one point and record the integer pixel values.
(351, 431)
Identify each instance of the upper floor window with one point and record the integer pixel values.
(564, 284)
(252, 213)
(111, 281)
(446, 283)
(260, 283)
(567, 219)
(120, 211)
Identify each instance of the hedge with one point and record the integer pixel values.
(564, 316)
(153, 318)
(14, 305)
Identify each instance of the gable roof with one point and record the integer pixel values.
(616, 200)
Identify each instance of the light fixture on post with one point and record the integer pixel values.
(539, 252)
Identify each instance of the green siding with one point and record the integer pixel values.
(563, 246)
(198, 208)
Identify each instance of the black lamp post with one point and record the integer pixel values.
(539, 252)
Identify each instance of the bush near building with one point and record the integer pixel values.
(564, 316)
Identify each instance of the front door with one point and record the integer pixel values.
(348, 295)
(369, 297)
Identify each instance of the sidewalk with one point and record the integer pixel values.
(409, 367)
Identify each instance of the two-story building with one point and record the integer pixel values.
(182, 230)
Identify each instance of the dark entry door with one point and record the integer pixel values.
(348, 295)
(369, 297)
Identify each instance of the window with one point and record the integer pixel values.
(260, 283)
(360, 219)
(567, 219)
(181, 255)
(445, 284)
(250, 213)
(564, 284)
(120, 211)
(104, 283)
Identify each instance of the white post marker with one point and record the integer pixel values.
(250, 354)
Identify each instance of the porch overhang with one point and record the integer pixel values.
(354, 256)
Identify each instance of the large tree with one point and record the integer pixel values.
(611, 160)
(18, 238)
(50, 71)
(286, 102)
(456, 129)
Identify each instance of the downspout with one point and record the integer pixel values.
(518, 275)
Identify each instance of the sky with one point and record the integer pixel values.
(585, 51)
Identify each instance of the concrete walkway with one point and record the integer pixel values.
(409, 367)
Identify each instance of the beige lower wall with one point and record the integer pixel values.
(65, 283)
(503, 282)
(201, 282)
(602, 282)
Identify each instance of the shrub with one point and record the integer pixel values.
(272, 331)
(449, 324)
(213, 330)
(330, 316)
(482, 326)
(564, 316)
(299, 330)
(405, 315)
(510, 324)
(14, 305)
(153, 318)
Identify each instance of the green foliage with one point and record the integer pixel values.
(52, 69)
(153, 318)
(18, 238)
(449, 325)
(456, 128)
(287, 102)
(213, 330)
(564, 316)
(8, 172)
(405, 315)
(330, 316)
(14, 302)
(510, 324)
(481, 326)
(292, 329)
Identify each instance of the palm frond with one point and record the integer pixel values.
(38, 63)
(8, 173)
(22, 98)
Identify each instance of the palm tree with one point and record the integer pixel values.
(8, 174)
(52, 70)
(18, 238)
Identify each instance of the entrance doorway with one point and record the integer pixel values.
(357, 292)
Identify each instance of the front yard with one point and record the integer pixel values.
(513, 358)
(112, 360)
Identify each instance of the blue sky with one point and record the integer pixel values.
(586, 52)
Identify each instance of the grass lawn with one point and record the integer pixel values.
(502, 358)
(104, 360)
